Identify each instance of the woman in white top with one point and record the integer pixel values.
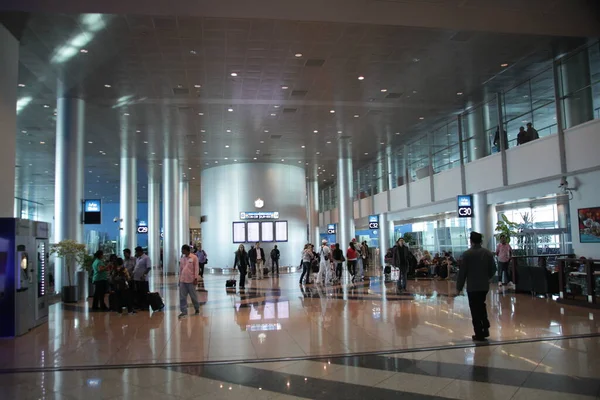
(307, 256)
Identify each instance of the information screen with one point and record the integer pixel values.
(281, 231)
(253, 232)
(266, 229)
(239, 232)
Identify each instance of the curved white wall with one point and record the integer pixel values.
(227, 190)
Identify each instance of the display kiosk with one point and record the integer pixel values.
(23, 275)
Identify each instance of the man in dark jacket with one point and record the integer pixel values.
(403, 259)
(477, 268)
(257, 259)
(275, 254)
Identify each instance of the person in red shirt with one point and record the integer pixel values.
(351, 257)
(189, 268)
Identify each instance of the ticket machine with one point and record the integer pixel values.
(23, 275)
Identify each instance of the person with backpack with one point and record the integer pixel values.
(275, 254)
(338, 260)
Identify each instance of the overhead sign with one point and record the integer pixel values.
(331, 229)
(259, 215)
(92, 212)
(142, 227)
(465, 206)
(373, 221)
(92, 206)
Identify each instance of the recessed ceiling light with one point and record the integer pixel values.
(42, 142)
(276, 106)
(206, 152)
(197, 86)
(153, 154)
(262, 141)
(226, 146)
(23, 131)
(273, 114)
(332, 111)
(383, 90)
(193, 52)
(366, 154)
(284, 87)
(234, 74)
(282, 159)
(126, 114)
(21, 85)
(216, 162)
(46, 106)
(117, 165)
(328, 142)
(84, 51)
(504, 65)
(138, 131)
(414, 92)
(145, 142)
(254, 158)
(318, 152)
(107, 86)
(459, 93)
(316, 131)
(204, 141)
(226, 158)
(206, 163)
(382, 143)
(416, 59)
(299, 162)
(235, 160)
(339, 131)
(356, 115)
(397, 133)
(230, 109)
(266, 131)
(202, 130)
(228, 130)
(421, 118)
(200, 113)
(361, 78)
(298, 55)
(303, 146)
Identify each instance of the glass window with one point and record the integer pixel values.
(418, 159)
(445, 150)
(398, 167)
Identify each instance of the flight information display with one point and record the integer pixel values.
(239, 232)
(253, 232)
(266, 229)
(281, 231)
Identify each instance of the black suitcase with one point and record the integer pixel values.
(113, 302)
(387, 270)
(266, 271)
(155, 301)
(230, 283)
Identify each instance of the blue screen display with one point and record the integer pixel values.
(91, 206)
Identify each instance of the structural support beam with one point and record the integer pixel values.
(344, 186)
(184, 213)
(68, 190)
(170, 215)
(128, 190)
(153, 218)
(313, 210)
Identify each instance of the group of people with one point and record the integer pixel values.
(252, 263)
(125, 277)
(525, 135)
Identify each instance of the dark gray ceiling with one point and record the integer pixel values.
(277, 100)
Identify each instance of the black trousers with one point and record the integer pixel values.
(124, 299)
(274, 264)
(351, 264)
(141, 289)
(479, 311)
(201, 269)
(100, 289)
(305, 271)
(338, 270)
(243, 271)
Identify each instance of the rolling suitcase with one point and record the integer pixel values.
(155, 301)
(230, 283)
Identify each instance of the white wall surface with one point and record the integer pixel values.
(420, 192)
(533, 160)
(447, 184)
(381, 205)
(582, 146)
(398, 198)
(484, 174)
(366, 207)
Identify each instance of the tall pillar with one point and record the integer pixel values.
(184, 213)
(313, 211)
(68, 190)
(386, 234)
(345, 230)
(170, 215)
(474, 130)
(575, 80)
(9, 74)
(481, 221)
(128, 191)
(153, 215)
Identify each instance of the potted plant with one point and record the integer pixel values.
(506, 228)
(71, 252)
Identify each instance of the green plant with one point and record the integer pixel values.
(506, 228)
(71, 252)
(409, 239)
(86, 265)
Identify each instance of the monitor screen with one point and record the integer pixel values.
(253, 232)
(239, 232)
(281, 231)
(266, 229)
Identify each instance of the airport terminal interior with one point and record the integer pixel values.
(145, 143)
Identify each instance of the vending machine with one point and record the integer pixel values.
(23, 275)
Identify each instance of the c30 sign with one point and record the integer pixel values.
(465, 206)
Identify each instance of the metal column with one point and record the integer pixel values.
(345, 230)
(184, 213)
(153, 217)
(128, 191)
(313, 211)
(68, 190)
(170, 206)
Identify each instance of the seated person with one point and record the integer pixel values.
(422, 269)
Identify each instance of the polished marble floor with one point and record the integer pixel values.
(544, 370)
(276, 318)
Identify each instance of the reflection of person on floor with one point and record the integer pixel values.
(478, 267)
(189, 269)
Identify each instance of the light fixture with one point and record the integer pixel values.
(254, 158)
(226, 158)
(84, 51)
(339, 132)
(228, 131)
(459, 93)
(356, 115)
(204, 141)
(230, 109)
(316, 131)
(193, 52)
(504, 65)
(361, 78)
(200, 114)
(298, 55)
(21, 85)
(266, 131)
(107, 85)
(421, 118)
(23, 131)
(202, 130)
(416, 59)
(318, 152)
(303, 146)
(383, 90)
(126, 114)
(235, 160)
(414, 92)
(276, 106)
(46, 106)
(145, 142)
(284, 88)
(282, 160)
(382, 143)
(42, 142)
(216, 162)
(329, 142)
(138, 131)
(226, 146)
(366, 154)
(234, 74)
(262, 141)
(332, 111)
(273, 114)
(197, 86)
(397, 133)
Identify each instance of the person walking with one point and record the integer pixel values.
(532, 133)
(257, 259)
(202, 259)
(275, 254)
(307, 257)
(403, 258)
(241, 262)
(504, 254)
(188, 279)
(100, 281)
(477, 268)
(351, 258)
(324, 268)
(338, 260)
